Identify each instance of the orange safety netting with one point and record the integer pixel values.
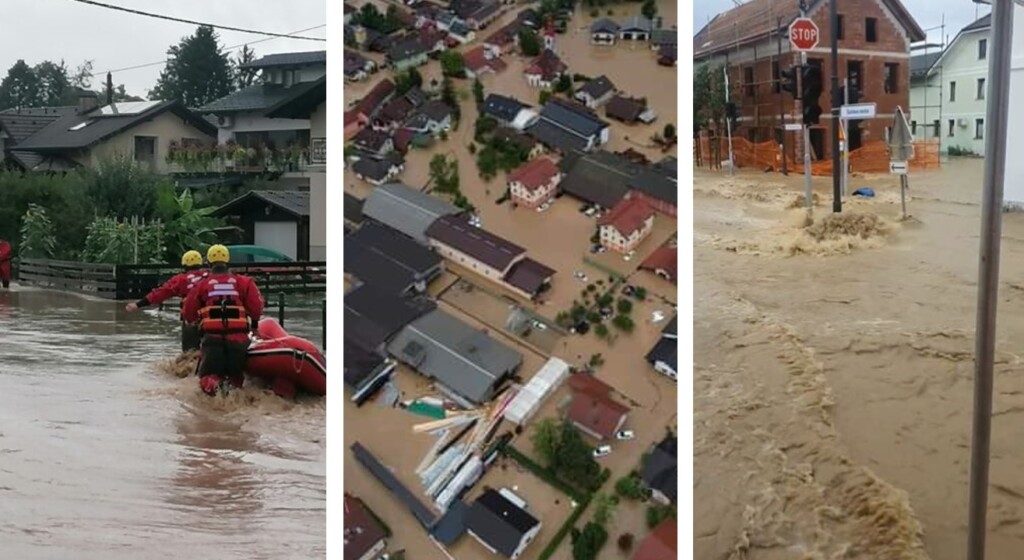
(872, 157)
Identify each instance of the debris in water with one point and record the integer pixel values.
(835, 227)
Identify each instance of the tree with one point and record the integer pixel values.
(529, 42)
(605, 299)
(38, 239)
(54, 84)
(623, 323)
(82, 77)
(589, 542)
(198, 71)
(564, 84)
(245, 77)
(450, 98)
(487, 162)
(478, 92)
(670, 131)
(649, 9)
(546, 440)
(624, 306)
(543, 96)
(120, 188)
(604, 508)
(186, 225)
(445, 174)
(630, 486)
(120, 95)
(601, 331)
(625, 542)
(20, 88)
(708, 95)
(640, 293)
(407, 81)
(453, 65)
(658, 513)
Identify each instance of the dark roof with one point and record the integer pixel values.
(372, 316)
(406, 209)
(396, 110)
(661, 37)
(362, 531)
(756, 20)
(598, 87)
(377, 169)
(529, 275)
(452, 524)
(260, 97)
(671, 329)
(555, 137)
(499, 522)
(626, 109)
(547, 65)
(292, 202)
(659, 471)
(354, 62)
(288, 59)
(604, 25)
(981, 23)
(372, 102)
(665, 350)
(459, 356)
(506, 134)
(456, 232)
(384, 475)
(302, 104)
(370, 139)
(636, 23)
(20, 124)
(353, 208)
(920, 64)
(573, 117)
(388, 260)
(502, 108)
(58, 135)
(600, 178)
(406, 48)
(656, 184)
(434, 110)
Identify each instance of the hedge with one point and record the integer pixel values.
(544, 474)
(570, 521)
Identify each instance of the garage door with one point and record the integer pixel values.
(280, 236)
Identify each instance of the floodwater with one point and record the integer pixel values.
(106, 453)
(833, 376)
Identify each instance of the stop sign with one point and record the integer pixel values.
(803, 34)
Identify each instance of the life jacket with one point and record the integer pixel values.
(223, 312)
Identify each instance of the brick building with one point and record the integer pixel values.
(874, 54)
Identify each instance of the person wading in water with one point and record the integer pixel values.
(5, 264)
(179, 285)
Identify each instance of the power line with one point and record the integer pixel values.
(180, 20)
(231, 48)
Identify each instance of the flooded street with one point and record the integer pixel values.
(103, 455)
(834, 374)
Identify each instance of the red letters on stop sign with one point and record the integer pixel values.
(803, 34)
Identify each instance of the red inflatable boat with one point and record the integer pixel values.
(286, 362)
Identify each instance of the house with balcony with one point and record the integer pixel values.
(64, 138)
(244, 118)
(534, 183)
(627, 225)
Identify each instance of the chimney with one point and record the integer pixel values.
(87, 101)
(110, 89)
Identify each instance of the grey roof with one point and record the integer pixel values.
(288, 59)
(605, 178)
(452, 524)
(503, 108)
(573, 117)
(388, 260)
(406, 209)
(656, 184)
(293, 202)
(456, 232)
(920, 64)
(659, 471)
(499, 522)
(664, 36)
(636, 23)
(459, 28)
(422, 513)
(20, 124)
(359, 363)
(372, 315)
(981, 23)
(353, 208)
(627, 109)
(377, 169)
(598, 87)
(354, 62)
(259, 97)
(407, 48)
(58, 136)
(604, 25)
(460, 357)
(431, 111)
(370, 139)
(555, 137)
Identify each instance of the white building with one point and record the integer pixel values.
(949, 93)
(1013, 194)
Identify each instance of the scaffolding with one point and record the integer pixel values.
(930, 113)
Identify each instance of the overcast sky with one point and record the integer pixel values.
(37, 30)
(928, 14)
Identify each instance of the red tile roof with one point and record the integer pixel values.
(628, 216)
(663, 258)
(593, 407)
(476, 60)
(534, 174)
(373, 100)
(662, 543)
(547, 65)
(362, 532)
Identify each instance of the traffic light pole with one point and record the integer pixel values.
(782, 110)
(837, 201)
(808, 195)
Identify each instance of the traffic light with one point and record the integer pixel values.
(811, 84)
(732, 112)
(789, 80)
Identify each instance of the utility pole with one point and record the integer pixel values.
(988, 270)
(728, 121)
(804, 130)
(837, 202)
(782, 110)
(846, 139)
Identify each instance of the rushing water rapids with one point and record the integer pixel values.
(104, 454)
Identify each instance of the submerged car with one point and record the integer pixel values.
(602, 450)
(625, 434)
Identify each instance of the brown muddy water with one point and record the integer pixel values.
(834, 372)
(105, 454)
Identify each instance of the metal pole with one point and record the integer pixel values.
(903, 195)
(280, 308)
(782, 110)
(808, 195)
(323, 322)
(837, 201)
(846, 139)
(728, 123)
(988, 270)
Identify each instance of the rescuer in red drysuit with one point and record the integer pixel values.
(5, 263)
(178, 285)
(226, 307)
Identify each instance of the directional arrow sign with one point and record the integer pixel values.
(857, 111)
(898, 167)
(901, 141)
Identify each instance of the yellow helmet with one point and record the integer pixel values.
(218, 254)
(191, 258)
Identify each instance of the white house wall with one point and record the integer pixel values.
(318, 191)
(1014, 190)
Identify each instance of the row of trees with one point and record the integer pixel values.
(198, 71)
(708, 97)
